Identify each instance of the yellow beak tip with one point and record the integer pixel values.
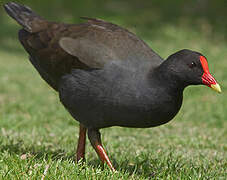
(216, 87)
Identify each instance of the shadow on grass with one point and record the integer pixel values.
(139, 168)
(43, 153)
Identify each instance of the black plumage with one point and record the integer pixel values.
(106, 76)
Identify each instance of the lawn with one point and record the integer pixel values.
(38, 137)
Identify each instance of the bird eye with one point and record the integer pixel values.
(192, 65)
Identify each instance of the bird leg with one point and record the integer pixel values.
(95, 139)
(81, 143)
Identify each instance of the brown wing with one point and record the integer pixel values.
(58, 48)
(105, 42)
(49, 59)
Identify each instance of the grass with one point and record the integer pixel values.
(38, 135)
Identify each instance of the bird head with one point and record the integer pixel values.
(191, 68)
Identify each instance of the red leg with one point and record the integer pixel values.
(94, 137)
(81, 143)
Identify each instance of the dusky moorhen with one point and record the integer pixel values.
(106, 76)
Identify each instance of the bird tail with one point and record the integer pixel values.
(24, 16)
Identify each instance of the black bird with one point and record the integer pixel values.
(106, 76)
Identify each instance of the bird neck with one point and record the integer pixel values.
(166, 76)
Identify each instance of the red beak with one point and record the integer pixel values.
(207, 78)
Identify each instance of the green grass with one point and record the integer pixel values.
(37, 134)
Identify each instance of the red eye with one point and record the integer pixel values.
(192, 65)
